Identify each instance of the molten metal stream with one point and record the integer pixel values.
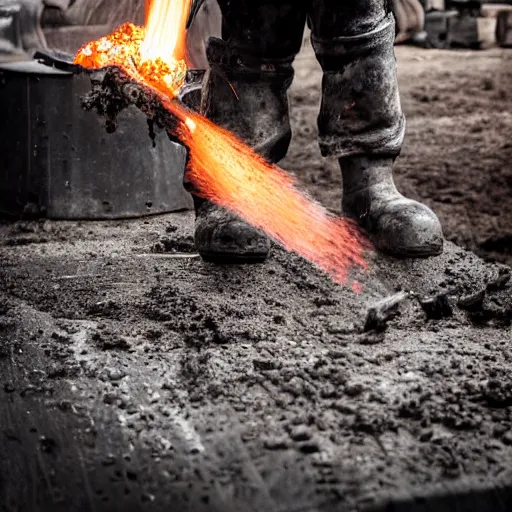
(221, 166)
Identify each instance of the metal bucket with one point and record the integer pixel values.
(57, 161)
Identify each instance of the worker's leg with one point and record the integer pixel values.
(362, 124)
(246, 92)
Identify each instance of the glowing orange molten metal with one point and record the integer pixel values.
(221, 166)
(154, 55)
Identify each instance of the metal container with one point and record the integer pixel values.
(463, 31)
(436, 27)
(57, 161)
(504, 29)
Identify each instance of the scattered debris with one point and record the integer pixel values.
(482, 308)
(354, 389)
(174, 245)
(371, 338)
(300, 433)
(309, 447)
(501, 281)
(383, 311)
(437, 307)
(276, 443)
(472, 302)
(263, 364)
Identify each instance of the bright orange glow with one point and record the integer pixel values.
(221, 166)
(154, 55)
(165, 29)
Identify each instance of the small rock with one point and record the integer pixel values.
(309, 447)
(276, 443)
(279, 319)
(115, 374)
(378, 315)
(353, 389)
(437, 307)
(294, 386)
(507, 438)
(500, 282)
(109, 398)
(472, 302)
(263, 364)
(125, 402)
(409, 377)
(426, 435)
(300, 433)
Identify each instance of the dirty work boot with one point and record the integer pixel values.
(245, 91)
(232, 98)
(361, 114)
(396, 225)
(222, 237)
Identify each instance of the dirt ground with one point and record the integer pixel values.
(458, 149)
(137, 377)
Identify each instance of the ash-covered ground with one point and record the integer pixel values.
(136, 377)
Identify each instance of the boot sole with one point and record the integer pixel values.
(232, 259)
(418, 253)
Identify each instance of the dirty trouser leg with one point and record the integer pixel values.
(246, 92)
(252, 71)
(360, 111)
(362, 124)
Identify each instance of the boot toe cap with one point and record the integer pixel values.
(230, 241)
(408, 228)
